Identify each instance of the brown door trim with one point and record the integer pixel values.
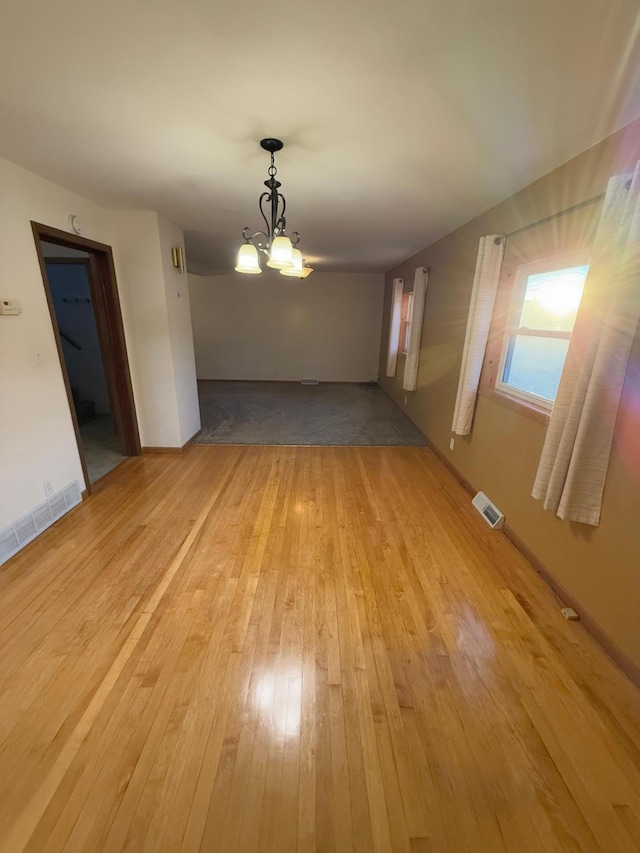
(106, 304)
(67, 261)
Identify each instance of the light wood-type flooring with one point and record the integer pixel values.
(301, 649)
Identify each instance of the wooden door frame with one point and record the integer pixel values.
(108, 316)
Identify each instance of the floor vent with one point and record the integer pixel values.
(22, 531)
(309, 381)
(489, 511)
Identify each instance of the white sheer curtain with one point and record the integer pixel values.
(394, 325)
(420, 280)
(573, 466)
(483, 295)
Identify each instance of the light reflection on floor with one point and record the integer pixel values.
(278, 701)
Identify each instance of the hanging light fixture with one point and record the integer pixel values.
(281, 251)
(306, 270)
(300, 268)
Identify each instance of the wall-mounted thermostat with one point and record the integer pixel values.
(9, 307)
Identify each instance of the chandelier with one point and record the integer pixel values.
(282, 251)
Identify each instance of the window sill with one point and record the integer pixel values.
(529, 410)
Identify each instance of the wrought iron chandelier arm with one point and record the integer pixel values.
(260, 239)
(281, 223)
(276, 223)
(266, 198)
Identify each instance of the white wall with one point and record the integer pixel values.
(143, 300)
(326, 327)
(37, 440)
(36, 432)
(180, 332)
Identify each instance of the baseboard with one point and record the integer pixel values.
(621, 658)
(191, 440)
(448, 464)
(629, 667)
(182, 449)
(298, 381)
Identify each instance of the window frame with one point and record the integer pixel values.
(405, 323)
(505, 326)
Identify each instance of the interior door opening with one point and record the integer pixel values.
(81, 291)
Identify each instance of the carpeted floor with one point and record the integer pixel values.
(332, 413)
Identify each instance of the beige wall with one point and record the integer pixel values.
(326, 327)
(180, 333)
(37, 441)
(600, 566)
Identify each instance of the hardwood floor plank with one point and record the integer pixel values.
(301, 649)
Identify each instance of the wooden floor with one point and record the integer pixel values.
(281, 649)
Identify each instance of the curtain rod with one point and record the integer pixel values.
(553, 216)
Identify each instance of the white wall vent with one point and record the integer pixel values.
(24, 529)
(489, 511)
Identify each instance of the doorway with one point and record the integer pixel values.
(81, 290)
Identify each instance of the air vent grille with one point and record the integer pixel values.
(24, 529)
(42, 516)
(57, 505)
(9, 544)
(72, 495)
(488, 510)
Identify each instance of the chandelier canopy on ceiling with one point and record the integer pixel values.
(283, 252)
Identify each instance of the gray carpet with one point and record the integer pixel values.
(332, 413)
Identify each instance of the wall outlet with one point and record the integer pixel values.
(405, 399)
(452, 442)
(48, 488)
(570, 614)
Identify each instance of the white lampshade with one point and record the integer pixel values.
(281, 255)
(248, 260)
(305, 271)
(296, 269)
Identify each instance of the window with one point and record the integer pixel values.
(405, 322)
(545, 301)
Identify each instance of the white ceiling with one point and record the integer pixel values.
(401, 120)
